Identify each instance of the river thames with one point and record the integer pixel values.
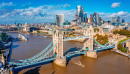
(107, 62)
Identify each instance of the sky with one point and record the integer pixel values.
(41, 11)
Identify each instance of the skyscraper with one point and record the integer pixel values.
(95, 19)
(100, 19)
(78, 9)
(123, 20)
(118, 19)
(91, 19)
(76, 17)
(59, 20)
(80, 13)
(85, 17)
(113, 19)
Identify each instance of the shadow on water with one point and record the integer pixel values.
(71, 50)
(15, 39)
(14, 46)
(103, 50)
(33, 71)
(17, 70)
(69, 58)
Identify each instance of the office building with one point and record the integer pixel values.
(79, 13)
(91, 19)
(118, 19)
(123, 20)
(113, 19)
(100, 19)
(88, 20)
(85, 17)
(95, 19)
(76, 17)
(59, 20)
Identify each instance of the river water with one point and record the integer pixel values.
(107, 62)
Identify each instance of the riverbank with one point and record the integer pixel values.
(122, 53)
(5, 57)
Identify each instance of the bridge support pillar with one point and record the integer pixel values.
(60, 62)
(92, 54)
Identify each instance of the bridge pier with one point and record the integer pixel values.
(60, 62)
(91, 54)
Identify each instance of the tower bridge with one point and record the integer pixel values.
(57, 56)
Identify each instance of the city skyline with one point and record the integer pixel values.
(33, 11)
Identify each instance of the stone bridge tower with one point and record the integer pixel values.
(113, 40)
(58, 50)
(89, 43)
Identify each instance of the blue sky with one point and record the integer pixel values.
(40, 11)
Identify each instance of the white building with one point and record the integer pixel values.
(59, 20)
(113, 19)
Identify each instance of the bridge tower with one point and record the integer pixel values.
(91, 53)
(58, 50)
(112, 40)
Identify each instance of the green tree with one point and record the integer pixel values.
(122, 32)
(101, 39)
(120, 46)
(96, 29)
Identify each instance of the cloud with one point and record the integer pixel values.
(45, 13)
(6, 4)
(101, 13)
(122, 13)
(66, 5)
(107, 16)
(115, 5)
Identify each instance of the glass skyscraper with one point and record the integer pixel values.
(123, 20)
(80, 13)
(85, 17)
(118, 20)
(113, 19)
(59, 20)
(95, 19)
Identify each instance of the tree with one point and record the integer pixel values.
(4, 37)
(101, 39)
(122, 32)
(96, 29)
(120, 46)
